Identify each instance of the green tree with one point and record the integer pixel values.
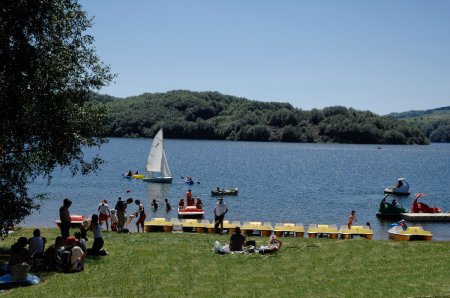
(48, 69)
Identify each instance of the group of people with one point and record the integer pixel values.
(190, 201)
(238, 244)
(117, 216)
(22, 259)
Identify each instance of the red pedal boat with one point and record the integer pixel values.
(419, 207)
(76, 221)
(190, 212)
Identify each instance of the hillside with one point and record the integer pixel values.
(212, 115)
(434, 122)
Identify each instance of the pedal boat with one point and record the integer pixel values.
(400, 189)
(76, 221)
(328, 231)
(388, 210)
(411, 233)
(190, 212)
(362, 231)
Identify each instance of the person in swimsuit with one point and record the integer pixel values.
(142, 215)
(351, 218)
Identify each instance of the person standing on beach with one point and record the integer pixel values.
(142, 215)
(104, 213)
(351, 218)
(120, 207)
(219, 214)
(64, 216)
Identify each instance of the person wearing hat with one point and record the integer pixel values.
(64, 216)
(77, 256)
(103, 213)
(219, 214)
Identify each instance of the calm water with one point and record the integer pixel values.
(278, 182)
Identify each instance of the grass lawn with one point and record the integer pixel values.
(176, 265)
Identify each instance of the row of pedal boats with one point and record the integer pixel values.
(396, 232)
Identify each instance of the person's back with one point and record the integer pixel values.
(19, 261)
(36, 244)
(73, 256)
(237, 240)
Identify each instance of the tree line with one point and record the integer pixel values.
(434, 122)
(212, 115)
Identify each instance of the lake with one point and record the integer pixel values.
(278, 182)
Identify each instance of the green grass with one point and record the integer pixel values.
(175, 265)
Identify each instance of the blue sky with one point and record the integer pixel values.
(382, 56)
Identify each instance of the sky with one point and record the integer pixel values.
(384, 56)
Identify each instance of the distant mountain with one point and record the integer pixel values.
(215, 116)
(434, 122)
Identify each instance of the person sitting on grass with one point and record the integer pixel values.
(36, 244)
(52, 255)
(237, 240)
(98, 237)
(77, 255)
(273, 246)
(20, 260)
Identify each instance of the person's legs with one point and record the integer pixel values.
(97, 246)
(221, 224)
(65, 229)
(216, 224)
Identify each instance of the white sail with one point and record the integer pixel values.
(157, 162)
(156, 153)
(165, 171)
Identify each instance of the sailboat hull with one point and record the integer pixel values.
(158, 179)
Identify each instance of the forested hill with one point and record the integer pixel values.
(435, 122)
(212, 115)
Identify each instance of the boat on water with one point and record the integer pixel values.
(157, 164)
(391, 210)
(401, 188)
(410, 233)
(362, 231)
(133, 176)
(419, 207)
(225, 192)
(76, 221)
(188, 180)
(321, 230)
(190, 212)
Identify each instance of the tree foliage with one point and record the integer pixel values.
(434, 122)
(211, 115)
(48, 68)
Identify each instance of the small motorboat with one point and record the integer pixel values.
(76, 221)
(401, 188)
(190, 212)
(390, 210)
(410, 233)
(419, 207)
(225, 192)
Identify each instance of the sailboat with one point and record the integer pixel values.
(157, 162)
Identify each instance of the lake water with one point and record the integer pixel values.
(278, 182)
